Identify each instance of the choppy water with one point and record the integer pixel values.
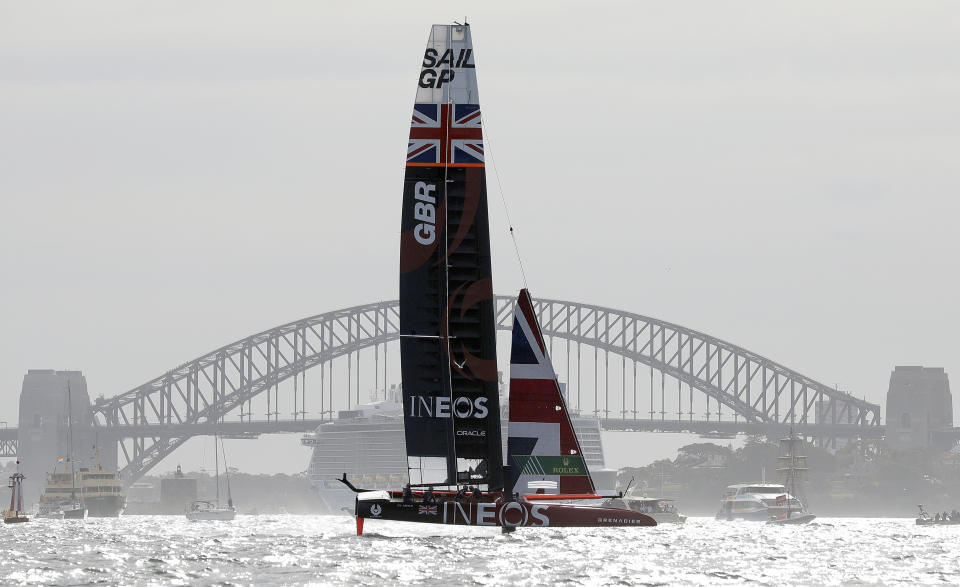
(325, 550)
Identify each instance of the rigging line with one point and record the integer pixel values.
(488, 149)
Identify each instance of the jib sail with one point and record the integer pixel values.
(542, 448)
(447, 329)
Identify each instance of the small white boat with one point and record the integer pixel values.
(208, 510)
(212, 510)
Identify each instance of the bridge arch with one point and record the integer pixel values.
(155, 418)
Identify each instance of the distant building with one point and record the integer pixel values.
(918, 403)
(177, 492)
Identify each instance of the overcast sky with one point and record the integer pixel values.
(178, 175)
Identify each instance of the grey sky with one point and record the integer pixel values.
(178, 175)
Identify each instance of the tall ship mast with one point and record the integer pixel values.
(791, 469)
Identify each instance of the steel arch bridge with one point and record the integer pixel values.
(154, 419)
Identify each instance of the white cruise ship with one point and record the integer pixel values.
(367, 443)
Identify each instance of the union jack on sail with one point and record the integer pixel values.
(435, 139)
(542, 449)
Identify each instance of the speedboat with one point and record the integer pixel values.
(663, 510)
(761, 502)
(945, 519)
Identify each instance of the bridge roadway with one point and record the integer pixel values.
(253, 429)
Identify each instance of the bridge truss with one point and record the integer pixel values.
(699, 377)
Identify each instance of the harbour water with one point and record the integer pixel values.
(286, 549)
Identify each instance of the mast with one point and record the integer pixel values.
(226, 473)
(216, 466)
(73, 468)
(791, 466)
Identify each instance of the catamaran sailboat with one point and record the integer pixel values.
(213, 510)
(447, 337)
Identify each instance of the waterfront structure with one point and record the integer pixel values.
(919, 406)
(177, 493)
(44, 431)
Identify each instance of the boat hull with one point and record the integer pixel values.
(16, 520)
(793, 519)
(507, 514)
(75, 514)
(107, 506)
(212, 515)
(933, 522)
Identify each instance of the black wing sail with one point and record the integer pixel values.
(447, 328)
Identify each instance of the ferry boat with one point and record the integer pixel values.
(60, 496)
(756, 501)
(101, 492)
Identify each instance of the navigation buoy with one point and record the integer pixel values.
(359, 526)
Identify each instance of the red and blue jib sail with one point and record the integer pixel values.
(542, 448)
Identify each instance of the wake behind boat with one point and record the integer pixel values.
(447, 330)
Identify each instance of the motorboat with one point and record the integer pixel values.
(661, 509)
(757, 501)
(945, 519)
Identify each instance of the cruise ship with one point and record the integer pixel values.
(367, 443)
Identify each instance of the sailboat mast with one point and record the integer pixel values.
(216, 466)
(73, 468)
(445, 356)
(226, 473)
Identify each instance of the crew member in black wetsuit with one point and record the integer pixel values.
(407, 494)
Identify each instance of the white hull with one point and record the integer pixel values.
(219, 515)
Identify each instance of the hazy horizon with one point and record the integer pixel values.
(178, 176)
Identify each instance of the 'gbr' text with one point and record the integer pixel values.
(425, 211)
